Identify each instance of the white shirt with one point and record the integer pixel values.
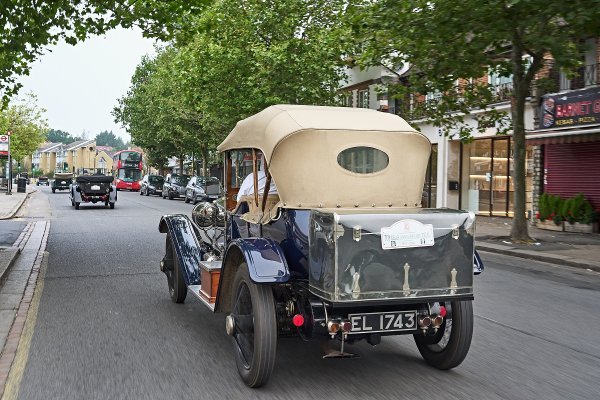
(247, 187)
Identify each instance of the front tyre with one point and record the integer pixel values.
(255, 329)
(77, 205)
(177, 288)
(112, 205)
(449, 346)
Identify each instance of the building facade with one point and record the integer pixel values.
(562, 130)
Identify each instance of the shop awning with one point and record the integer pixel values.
(560, 136)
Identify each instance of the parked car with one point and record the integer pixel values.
(42, 180)
(152, 184)
(342, 251)
(97, 188)
(202, 188)
(174, 186)
(62, 181)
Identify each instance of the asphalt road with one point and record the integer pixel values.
(106, 328)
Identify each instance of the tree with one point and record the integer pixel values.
(24, 119)
(27, 28)
(58, 136)
(451, 39)
(243, 57)
(106, 138)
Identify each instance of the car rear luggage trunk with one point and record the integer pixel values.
(428, 254)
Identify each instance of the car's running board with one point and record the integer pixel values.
(195, 289)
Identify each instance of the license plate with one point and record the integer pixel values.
(95, 187)
(383, 322)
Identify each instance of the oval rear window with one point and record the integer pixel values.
(363, 160)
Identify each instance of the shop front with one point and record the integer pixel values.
(569, 142)
(487, 181)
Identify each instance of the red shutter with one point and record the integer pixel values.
(573, 168)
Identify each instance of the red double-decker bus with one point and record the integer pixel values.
(127, 169)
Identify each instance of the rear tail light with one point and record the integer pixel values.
(298, 320)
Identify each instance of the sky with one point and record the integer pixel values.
(79, 85)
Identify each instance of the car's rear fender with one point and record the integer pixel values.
(187, 249)
(266, 264)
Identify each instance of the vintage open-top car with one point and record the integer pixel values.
(96, 188)
(62, 181)
(339, 248)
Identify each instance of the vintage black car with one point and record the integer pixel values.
(152, 184)
(42, 180)
(62, 181)
(174, 186)
(202, 188)
(340, 248)
(97, 188)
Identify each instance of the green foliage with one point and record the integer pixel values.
(25, 120)
(446, 42)
(58, 136)
(27, 28)
(233, 60)
(550, 207)
(575, 209)
(578, 209)
(106, 138)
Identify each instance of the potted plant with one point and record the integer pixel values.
(550, 215)
(579, 215)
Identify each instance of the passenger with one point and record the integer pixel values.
(247, 187)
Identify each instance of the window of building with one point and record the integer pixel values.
(363, 98)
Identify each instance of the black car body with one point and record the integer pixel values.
(318, 259)
(62, 181)
(93, 189)
(43, 180)
(174, 186)
(152, 184)
(202, 188)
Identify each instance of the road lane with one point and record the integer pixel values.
(106, 328)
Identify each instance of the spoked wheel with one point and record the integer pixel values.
(177, 288)
(254, 329)
(450, 345)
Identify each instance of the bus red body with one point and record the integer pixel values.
(127, 169)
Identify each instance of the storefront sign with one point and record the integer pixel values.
(581, 107)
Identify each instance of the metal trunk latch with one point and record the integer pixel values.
(455, 231)
(356, 233)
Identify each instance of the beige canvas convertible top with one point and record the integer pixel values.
(301, 145)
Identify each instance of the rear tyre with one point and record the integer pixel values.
(53, 190)
(112, 205)
(449, 346)
(177, 288)
(255, 329)
(141, 192)
(147, 192)
(76, 205)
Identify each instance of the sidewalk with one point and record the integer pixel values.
(564, 248)
(10, 204)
